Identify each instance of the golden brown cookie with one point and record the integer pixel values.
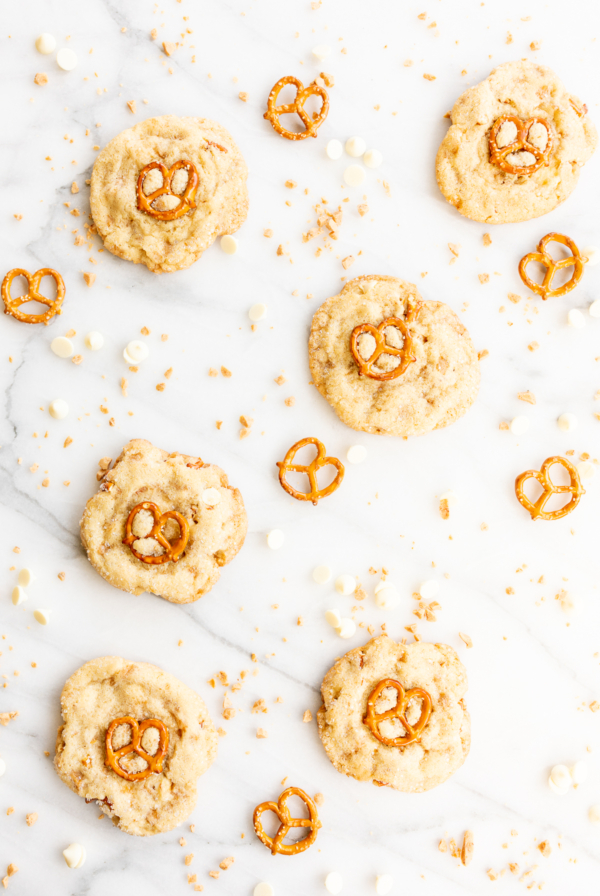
(118, 532)
(441, 378)
(520, 103)
(442, 744)
(132, 226)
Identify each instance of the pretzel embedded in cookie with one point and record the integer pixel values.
(13, 306)
(172, 550)
(145, 203)
(302, 95)
(536, 509)
(575, 260)
(276, 844)
(315, 494)
(413, 732)
(154, 762)
(521, 143)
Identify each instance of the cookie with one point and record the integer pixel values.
(146, 549)
(496, 187)
(215, 180)
(441, 376)
(356, 748)
(163, 791)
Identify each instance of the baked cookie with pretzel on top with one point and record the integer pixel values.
(164, 523)
(395, 714)
(135, 740)
(516, 146)
(389, 362)
(165, 189)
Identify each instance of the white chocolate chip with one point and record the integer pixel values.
(229, 244)
(42, 616)
(356, 454)
(592, 253)
(94, 340)
(594, 308)
(62, 347)
(334, 150)
(519, 425)
(45, 44)
(575, 318)
(561, 791)
(383, 884)
(586, 469)
(74, 855)
(275, 539)
(355, 147)
(579, 772)
(373, 158)
(66, 59)
(334, 882)
(386, 596)
(347, 628)
(263, 889)
(25, 578)
(334, 618)
(560, 779)
(345, 584)
(211, 496)
(321, 51)
(136, 351)
(18, 595)
(2, 766)
(354, 175)
(593, 813)
(429, 589)
(450, 498)
(58, 408)
(321, 574)
(257, 312)
(567, 422)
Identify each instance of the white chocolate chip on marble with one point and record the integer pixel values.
(275, 539)
(567, 422)
(334, 882)
(74, 855)
(25, 578)
(58, 408)
(18, 595)
(586, 469)
(94, 340)
(519, 425)
(258, 311)
(66, 59)
(136, 351)
(429, 589)
(373, 158)
(345, 584)
(62, 347)
(211, 496)
(45, 44)
(579, 772)
(229, 244)
(592, 253)
(354, 175)
(386, 596)
(334, 618)
(575, 318)
(560, 779)
(42, 616)
(347, 628)
(334, 150)
(355, 147)
(321, 52)
(383, 884)
(263, 889)
(321, 574)
(594, 308)
(356, 454)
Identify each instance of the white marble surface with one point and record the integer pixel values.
(532, 669)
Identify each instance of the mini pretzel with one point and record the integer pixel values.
(276, 844)
(172, 550)
(543, 477)
(303, 93)
(365, 366)
(154, 763)
(315, 494)
(12, 306)
(520, 144)
(373, 719)
(186, 199)
(544, 289)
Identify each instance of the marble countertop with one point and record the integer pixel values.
(533, 669)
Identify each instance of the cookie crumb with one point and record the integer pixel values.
(40, 79)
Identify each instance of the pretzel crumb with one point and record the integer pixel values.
(40, 79)
(348, 261)
(31, 819)
(533, 346)
(307, 717)
(466, 853)
(89, 278)
(189, 859)
(160, 387)
(192, 878)
(363, 209)
(529, 397)
(169, 48)
(215, 874)
(487, 240)
(535, 45)
(268, 233)
(131, 106)
(226, 372)
(443, 846)
(319, 799)
(492, 874)
(261, 733)
(483, 278)
(226, 863)
(545, 848)
(290, 402)
(482, 354)
(62, 576)
(218, 424)
(466, 639)
(509, 37)
(243, 96)
(454, 248)
(429, 77)
(444, 508)
(514, 298)
(213, 371)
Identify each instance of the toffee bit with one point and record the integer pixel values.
(89, 278)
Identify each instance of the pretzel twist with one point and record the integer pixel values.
(315, 494)
(154, 764)
(575, 260)
(365, 366)
(373, 719)
(549, 488)
(521, 143)
(276, 844)
(12, 306)
(186, 199)
(302, 94)
(172, 549)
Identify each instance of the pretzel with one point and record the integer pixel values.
(519, 144)
(373, 719)
(542, 476)
(186, 199)
(12, 306)
(544, 289)
(172, 550)
(579, 110)
(315, 494)
(276, 844)
(154, 763)
(365, 366)
(302, 94)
